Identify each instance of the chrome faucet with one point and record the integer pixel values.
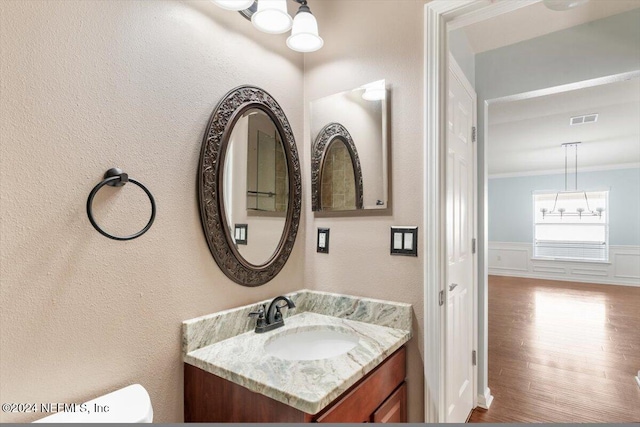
(271, 318)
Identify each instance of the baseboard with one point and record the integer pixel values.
(485, 400)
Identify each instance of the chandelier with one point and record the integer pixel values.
(571, 195)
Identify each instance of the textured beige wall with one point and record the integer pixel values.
(368, 40)
(86, 85)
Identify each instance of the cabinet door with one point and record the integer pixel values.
(357, 404)
(394, 409)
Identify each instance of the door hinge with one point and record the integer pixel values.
(473, 245)
(441, 298)
(473, 134)
(473, 358)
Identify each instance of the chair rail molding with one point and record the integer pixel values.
(516, 260)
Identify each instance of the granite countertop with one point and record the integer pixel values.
(307, 385)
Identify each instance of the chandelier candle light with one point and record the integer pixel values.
(571, 194)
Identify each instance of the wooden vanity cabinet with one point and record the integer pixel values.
(380, 396)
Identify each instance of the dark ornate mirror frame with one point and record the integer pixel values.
(210, 186)
(325, 138)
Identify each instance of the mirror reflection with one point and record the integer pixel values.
(338, 178)
(256, 186)
(349, 152)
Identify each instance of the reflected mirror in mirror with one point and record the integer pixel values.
(337, 178)
(256, 186)
(349, 152)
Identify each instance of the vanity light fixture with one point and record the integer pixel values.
(304, 34)
(272, 17)
(236, 5)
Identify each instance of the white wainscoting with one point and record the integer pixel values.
(515, 259)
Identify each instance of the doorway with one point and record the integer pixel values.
(439, 17)
(560, 347)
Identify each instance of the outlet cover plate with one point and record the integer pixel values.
(323, 241)
(240, 234)
(404, 240)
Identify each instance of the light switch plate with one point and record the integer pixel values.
(240, 234)
(404, 240)
(323, 241)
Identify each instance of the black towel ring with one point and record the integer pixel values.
(114, 177)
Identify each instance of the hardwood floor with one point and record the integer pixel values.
(562, 352)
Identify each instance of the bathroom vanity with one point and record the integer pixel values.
(326, 357)
(337, 359)
(379, 397)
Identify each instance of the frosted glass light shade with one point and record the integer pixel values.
(304, 34)
(561, 5)
(234, 4)
(272, 17)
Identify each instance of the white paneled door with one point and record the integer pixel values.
(460, 219)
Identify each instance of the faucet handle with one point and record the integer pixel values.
(260, 313)
(278, 315)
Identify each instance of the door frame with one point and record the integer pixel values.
(440, 15)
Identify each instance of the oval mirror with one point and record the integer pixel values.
(255, 190)
(249, 186)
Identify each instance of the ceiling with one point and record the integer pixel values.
(526, 136)
(536, 20)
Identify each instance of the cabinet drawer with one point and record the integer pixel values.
(394, 409)
(357, 405)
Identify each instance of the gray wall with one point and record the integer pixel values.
(599, 48)
(596, 49)
(511, 204)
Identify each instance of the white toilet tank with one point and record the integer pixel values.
(127, 405)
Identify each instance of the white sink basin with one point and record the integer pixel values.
(312, 344)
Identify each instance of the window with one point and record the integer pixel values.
(571, 236)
